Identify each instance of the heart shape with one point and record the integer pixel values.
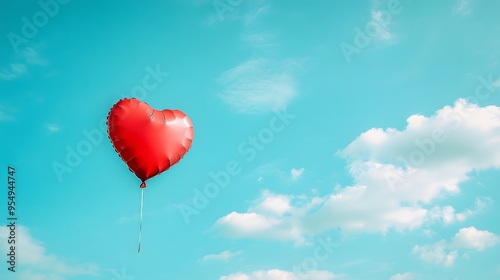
(148, 141)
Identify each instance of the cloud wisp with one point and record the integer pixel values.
(20, 67)
(296, 173)
(222, 256)
(259, 85)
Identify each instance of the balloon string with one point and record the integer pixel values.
(140, 225)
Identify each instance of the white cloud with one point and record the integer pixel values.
(259, 85)
(296, 173)
(223, 256)
(276, 274)
(436, 253)
(37, 263)
(402, 276)
(393, 188)
(446, 252)
(463, 7)
(447, 214)
(423, 135)
(361, 208)
(253, 225)
(247, 222)
(270, 203)
(235, 276)
(413, 167)
(471, 238)
(269, 217)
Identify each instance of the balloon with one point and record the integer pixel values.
(148, 141)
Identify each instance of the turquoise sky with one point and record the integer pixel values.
(333, 139)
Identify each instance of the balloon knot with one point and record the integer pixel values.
(143, 185)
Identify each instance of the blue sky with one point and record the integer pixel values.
(333, 139)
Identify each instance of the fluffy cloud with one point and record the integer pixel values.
(446, 252)
(436, 253)
(448, 215)
(224, 256)
(409, 169)
(471, 238)
(272, 216)
(454, 137)
(398, 177)
(37, 264)
(270, 203)
(276, 274)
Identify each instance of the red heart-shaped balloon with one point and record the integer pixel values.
(148, 141)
